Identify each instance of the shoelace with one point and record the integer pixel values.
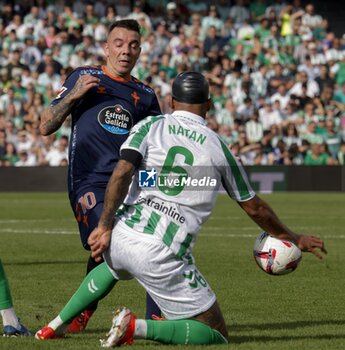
(157, 318)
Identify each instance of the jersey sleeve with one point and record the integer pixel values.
(138, 136)
(234, 177)
(66, 87)
(132, 156)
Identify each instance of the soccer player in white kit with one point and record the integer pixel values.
(167, 179)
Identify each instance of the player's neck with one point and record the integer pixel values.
(199, 110)
(114, 75)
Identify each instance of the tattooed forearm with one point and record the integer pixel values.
(53, 117)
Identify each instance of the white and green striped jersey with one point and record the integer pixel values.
(191, 162)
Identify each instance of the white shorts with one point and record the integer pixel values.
(177, 287)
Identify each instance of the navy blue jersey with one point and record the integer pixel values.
(101, 121)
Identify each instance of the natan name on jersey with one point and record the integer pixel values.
(191, 134)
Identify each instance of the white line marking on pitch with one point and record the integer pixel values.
(254, 229)
(47, 232)
(203, 234)
(18, 221)
(248, 235)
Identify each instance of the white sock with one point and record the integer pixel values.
(140, 330)
(9, 318)
(58, 325)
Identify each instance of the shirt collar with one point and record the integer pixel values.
(190, 116)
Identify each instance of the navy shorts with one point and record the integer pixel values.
(87, 205)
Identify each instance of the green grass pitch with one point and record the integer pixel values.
(45, 263)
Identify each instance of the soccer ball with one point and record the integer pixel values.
(275, 256)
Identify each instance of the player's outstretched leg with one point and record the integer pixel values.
(126, 327)
(12, 325)
(95, 286)
(80, 322)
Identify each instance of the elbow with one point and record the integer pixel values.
(254, 213)
(43, 130)
(253, 208)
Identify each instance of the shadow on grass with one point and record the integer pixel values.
(98, 331)
(283, 325)
(30, 263)
(233, 329)
(265, 339)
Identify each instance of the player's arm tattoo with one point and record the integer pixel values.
(53, 116)
(116, 191)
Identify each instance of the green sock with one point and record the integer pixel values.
(5, 294)
(95, 286)
(183, 332)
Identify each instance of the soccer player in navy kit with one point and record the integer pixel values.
(104, 103)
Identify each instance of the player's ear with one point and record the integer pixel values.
(209, 104)
(106, 48)
(172, 103)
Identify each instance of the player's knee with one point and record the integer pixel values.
(221, 327)
(223, 330)
(213, 317)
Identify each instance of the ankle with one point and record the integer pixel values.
(140, 329)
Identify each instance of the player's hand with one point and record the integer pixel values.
(312, 244)
(83, 85)
(98, 241)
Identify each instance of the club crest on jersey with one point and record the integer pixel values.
(115, 119)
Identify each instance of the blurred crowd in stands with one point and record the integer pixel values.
(276, 72)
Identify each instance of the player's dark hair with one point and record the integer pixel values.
(130, 24)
